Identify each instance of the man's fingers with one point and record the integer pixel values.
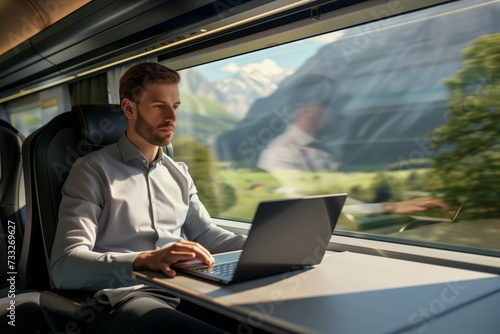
(430, 201)
(418, 208)
(201, 252)
(179, 256)
(182, 250)
(167, 270)
(174, 258)
(438, 203)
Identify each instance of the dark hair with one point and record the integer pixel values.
(142, 77)
(312, 89)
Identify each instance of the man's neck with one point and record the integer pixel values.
(305, 127)
(148, 150)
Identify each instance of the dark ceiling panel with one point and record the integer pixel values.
(105, 31)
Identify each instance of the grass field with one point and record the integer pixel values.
(252, 187)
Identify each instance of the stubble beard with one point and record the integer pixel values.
(148, 133)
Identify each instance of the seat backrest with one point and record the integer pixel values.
(49, 155)
(12, 200)
(33, 266)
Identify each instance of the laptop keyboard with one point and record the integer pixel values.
(221, 269)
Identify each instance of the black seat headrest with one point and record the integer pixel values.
(98, 125)
(11, 141)
(5, 124)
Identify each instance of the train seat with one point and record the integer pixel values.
(19, 309)
(48, 157)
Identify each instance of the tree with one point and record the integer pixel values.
(217, 196)
(468, 144)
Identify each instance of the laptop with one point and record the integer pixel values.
(285, 235)
(439, 219)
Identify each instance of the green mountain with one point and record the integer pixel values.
(202, 119)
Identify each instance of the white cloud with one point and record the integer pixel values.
(266, 65)
(231, 68)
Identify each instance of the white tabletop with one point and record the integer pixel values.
(346, 293)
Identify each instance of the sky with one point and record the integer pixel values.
(289, 56)
(292, 55)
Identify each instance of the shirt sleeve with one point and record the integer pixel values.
(73, 263)
(364, 209)
(274, 159)
(200, 228)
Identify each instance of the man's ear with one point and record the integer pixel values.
(128, 108)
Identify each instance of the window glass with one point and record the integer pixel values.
(402, 114)
(30, 112)
(25, 114)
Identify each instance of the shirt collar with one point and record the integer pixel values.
(300, 136)
(129, 151)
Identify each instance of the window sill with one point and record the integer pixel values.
(338, 243)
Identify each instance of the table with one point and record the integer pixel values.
(346, 293)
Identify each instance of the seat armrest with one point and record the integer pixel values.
(68, 303)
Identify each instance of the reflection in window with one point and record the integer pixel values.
(396, 110)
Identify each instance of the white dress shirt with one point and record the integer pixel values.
(115, 206)
(293, 152)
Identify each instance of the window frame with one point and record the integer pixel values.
(394, 250)
(351, 16)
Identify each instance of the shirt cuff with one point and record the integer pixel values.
(364, 209)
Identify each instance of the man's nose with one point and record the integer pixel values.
(170, 114)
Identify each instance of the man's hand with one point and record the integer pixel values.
(416, 204)
(161, 259)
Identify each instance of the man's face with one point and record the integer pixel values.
(157, 113)
(310, 116)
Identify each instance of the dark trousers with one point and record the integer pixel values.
(157, 312)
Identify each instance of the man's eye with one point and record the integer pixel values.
(158, 106)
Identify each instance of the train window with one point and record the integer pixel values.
(30, 112)
(400, 113)
(24, 114)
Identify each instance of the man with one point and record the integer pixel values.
(298, 150)
(130, 207)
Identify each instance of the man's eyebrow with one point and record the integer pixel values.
(164, 102)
